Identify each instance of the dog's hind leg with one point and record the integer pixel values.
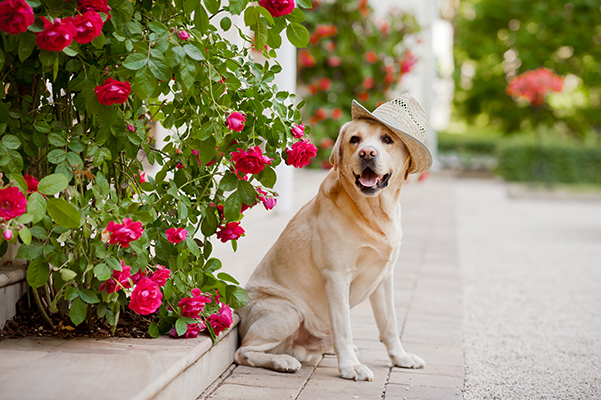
(267, 326)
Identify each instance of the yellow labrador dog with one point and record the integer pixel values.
(339, 250)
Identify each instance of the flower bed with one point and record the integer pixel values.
(84, 81)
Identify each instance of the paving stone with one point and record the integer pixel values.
(406, 392)
(407, 377)
(243, 392)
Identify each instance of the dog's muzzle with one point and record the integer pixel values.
(370, 182)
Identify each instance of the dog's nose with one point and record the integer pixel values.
(368, 153)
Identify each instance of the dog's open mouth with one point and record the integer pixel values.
(369, 182)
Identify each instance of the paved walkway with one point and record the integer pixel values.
(428, 301)
(500, 295)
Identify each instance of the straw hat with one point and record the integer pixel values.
(407, 118)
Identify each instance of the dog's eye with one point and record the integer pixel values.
(387, 139)
(355, 139)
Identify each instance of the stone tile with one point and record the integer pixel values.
(241, 392)
(394, 392)
(436, 354)
(401, 376)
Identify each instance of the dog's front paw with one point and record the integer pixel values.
(407, 360)
(357, 372)
(286, 363)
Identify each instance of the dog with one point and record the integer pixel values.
(339, 250)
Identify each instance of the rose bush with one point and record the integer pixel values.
(84, 84)
(354, 56)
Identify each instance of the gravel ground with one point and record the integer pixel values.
(532, 295)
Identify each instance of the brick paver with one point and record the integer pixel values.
(428, 297)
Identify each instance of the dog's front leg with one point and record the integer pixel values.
(382, 303)
(337, 291)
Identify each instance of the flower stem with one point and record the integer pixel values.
(36, 295)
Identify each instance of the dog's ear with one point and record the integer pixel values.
(407, 170)
(336, 154)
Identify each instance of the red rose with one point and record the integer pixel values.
(88, 26)
(268, 202)
(100, 6)
(15, 16)
(135, 278)
(12, 203)
(113, 92)
(192, 306)
(176, 235)
(320, 114)
(301, 153)
(324, 84)
(408, 63)
(235, 121)
(368, 83)
(277, 8)
(32, 183)
(221, 320)
(231, 231)
(298, 131)
(334, 61)
(250, 162)
(161, 275)
(336, 113)
(56, 35)
(125, 233)
(7, 234)
(146, 297)
(119, 280)
(306, 59)
(371, 57)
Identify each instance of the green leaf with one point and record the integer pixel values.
(31, 252)
(194, 52)
(2, 59)
(295, 16)
(188, 73)
(53, 184)
(63, 213)
(11, 141)
(201, 19)
(250, 16)
(263, 11)
(304, 3)
(26, 46)
(181, 327)
(57, 156)
(25, 235)
(227, 277)
(213, 6)
(297, 34)
(247, 192)
(206, 150)
(102, 272)
(153, 330)
(237, 6)
(114, 264)
(157, 27)
(232, 207)
(36, 206)
(135, 61)
(261, 35)
(192, 246)
(268, 177)
(212, 265)
(190, 6)
(145, 83)
(39, 232)
(158, 68)
(71, 293)
(72, 50)
(55, 139)
(88, 295)
(209, 225)
(229, 182)
(235, 296)
(225, 23)
(67, 274)
(38, 273)
(78, 311)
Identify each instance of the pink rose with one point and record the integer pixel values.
(143, 177)
(56, 35)
(7, 234)
(183, 35)
(125, 233)
(179, 165)
(176, 235)
(268, 202)
(277, 8)
(192, 306)
(235, 121)
(15, 16)
(135, 278)
(100, 6)
(301, 153)
(146, 297)
(221, 320)
(32, 183)
(131, 128)
(161, 275)
(250, 162)
(12, 203)
(298, 131)
(231, 231)
(88, 26)
(119, 280)
(113, 92)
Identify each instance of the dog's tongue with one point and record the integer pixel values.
(369, 178)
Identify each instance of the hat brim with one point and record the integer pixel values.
(421, 156)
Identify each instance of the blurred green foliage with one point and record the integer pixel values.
(467, 143)
(524, 160)
(496, 40)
